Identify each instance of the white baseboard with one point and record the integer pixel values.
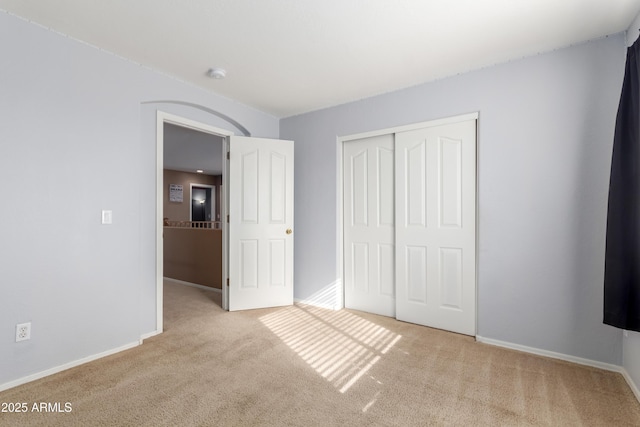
(195, 285)
(551, 354)
(149, 335)
(632, 384)
(55, 370)
(316, 304)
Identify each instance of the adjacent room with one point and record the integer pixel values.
(318, 213)
(192, 202)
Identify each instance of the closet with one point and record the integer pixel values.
(409, 224)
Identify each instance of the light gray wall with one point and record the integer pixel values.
(544, 151)
(75, 134)
(633, 30)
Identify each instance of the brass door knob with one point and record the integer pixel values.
(289, 231)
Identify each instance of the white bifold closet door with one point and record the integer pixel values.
(369, 253)
(436, 227)
(432, 278)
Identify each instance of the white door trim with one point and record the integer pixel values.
(341, 140)
(162, 118)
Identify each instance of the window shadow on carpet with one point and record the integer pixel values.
(340, 346)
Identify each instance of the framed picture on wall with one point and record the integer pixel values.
(175, 193)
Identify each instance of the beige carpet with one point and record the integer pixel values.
(303, 366)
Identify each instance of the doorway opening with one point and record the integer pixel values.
(257, 242)
(191, 239)
(202, 203)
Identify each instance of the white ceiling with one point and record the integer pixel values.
(189, 150)
(286, 57)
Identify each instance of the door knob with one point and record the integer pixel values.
(289, 231)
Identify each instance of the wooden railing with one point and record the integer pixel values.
(193, 224)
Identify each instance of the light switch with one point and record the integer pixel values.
(107, 217)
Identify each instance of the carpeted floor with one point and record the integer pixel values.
(304, 366)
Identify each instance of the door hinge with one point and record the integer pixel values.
(227, 219)
(227, 282)
(228, 155)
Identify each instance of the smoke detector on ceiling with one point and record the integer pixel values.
(217, 73)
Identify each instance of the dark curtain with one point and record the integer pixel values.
(622, 258)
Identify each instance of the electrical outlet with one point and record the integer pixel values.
(23, 331)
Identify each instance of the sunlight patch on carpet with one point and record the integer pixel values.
(340, 346)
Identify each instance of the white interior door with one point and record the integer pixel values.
(260, 223)
(436, 226)
(369, 251)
